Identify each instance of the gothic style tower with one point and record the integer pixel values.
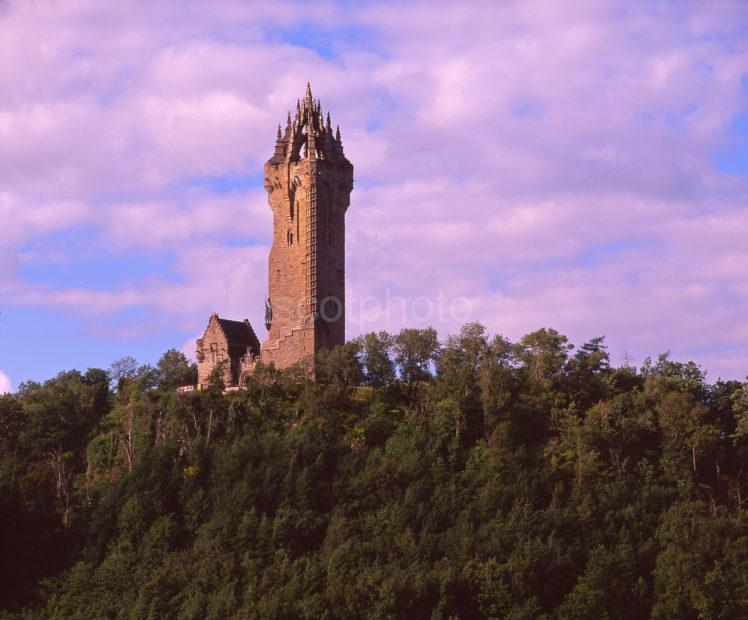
(308, 180)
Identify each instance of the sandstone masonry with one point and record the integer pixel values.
(308, 180)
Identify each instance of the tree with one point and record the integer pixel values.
(496, 378)
(340, 366)
(609, 587)
(740, 409)
(665, 375)
(618, 429)
(415, 352)
(684, 427)
(589, 373)
(700, 571)
(123, 369)
(543, 353)
(738, 491)
(12, 421)
(376, 352)
(174, 370)
(130, 429)
(297, 497)
(60, 414)
(458, 376)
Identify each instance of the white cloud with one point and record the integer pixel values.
(189, 346)
(5, 384)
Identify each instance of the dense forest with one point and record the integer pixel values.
(465, 478)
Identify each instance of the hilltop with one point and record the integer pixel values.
(474, 477)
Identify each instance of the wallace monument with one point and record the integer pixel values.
(309, 181)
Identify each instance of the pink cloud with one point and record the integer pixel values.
(5, 385)
(24, 216)
(552, 163)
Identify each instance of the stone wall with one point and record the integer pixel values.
(212, 349)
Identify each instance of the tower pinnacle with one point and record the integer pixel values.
(309, 181)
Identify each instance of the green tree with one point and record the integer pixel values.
(701, 568)
(123, 369)
(666, 375)
(174, 370)
(609, 587)
(376, 358)
(543, 354)
(589, 374)
(598, 492)
(738, 484)
(459, 366)
(340, 366)
(496, 380)
(685, 431)
(415, 351)
(59, 416)
(12, 422)
(740, 410)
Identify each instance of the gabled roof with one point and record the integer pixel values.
(240, 334)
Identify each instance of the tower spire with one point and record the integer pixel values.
(305, 300)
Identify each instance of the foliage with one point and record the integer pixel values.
(473, 477)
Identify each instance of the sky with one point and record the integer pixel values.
(575, 165)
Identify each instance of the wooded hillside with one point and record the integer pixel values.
(468, 478)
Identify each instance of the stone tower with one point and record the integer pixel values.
(308, 180)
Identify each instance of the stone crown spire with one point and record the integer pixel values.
(308, 134)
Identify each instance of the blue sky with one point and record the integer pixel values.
(581, 166)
